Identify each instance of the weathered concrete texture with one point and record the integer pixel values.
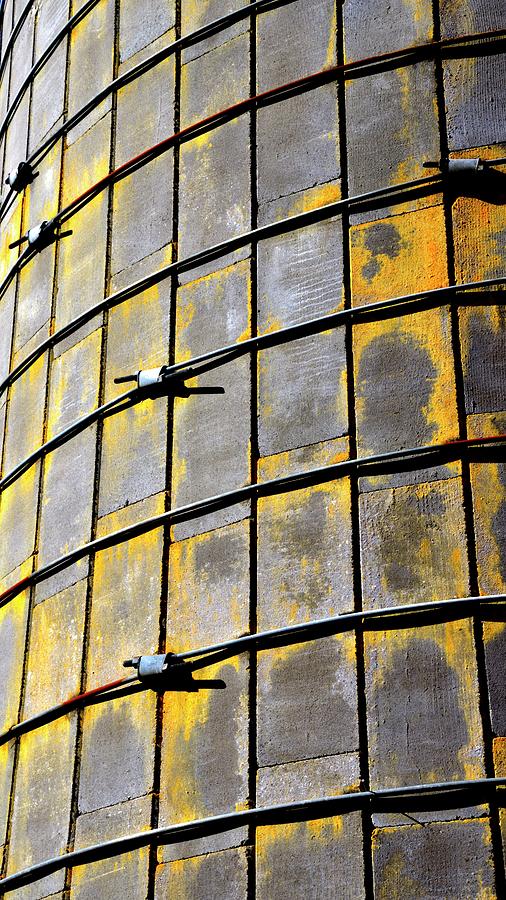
(423, 712)
(298, 143)
(302, 385)
(451, 860)
(51, 17)
(48, 96)
(208, 587)
(11, 231)
(18, 512)
(306, 701)
(297, 139)
(304, 554)
(7, 303)
(295, 40)
(6, 767)
(308, 779)
(232, 58)
(122, 876)
(34, 303)
(140, 24)
(22, 54)
(68, 502)
(483, 340)
(145, 112)
(196, 13)
(81, 271)
(126, 594)
(372, 27)
(302, 393)
(488, 482)
(208, 459)
(222, 875)
(311, 859)
(134, 441)
(300, 274)
(70, 469)
(12, 644)
(91, 63)
(142, 213)
(471, 15)
(117, 751)
(40, 819)
(55, 650)
(412, 544)
(25, 416)
(388, 139)
(16, 137)
(213, 206)
(205, 756)
(474, 90)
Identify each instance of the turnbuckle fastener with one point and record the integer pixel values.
(159, 382)
(40, 236)
(163, 671)
(20, 177)
(457, 166)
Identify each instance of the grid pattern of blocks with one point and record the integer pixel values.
(379, 708)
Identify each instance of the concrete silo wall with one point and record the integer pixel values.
(418, 702)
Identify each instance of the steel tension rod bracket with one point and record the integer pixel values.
(163, 672)
(159, 383)
(21, 177)
(457, 167)
(40, 236)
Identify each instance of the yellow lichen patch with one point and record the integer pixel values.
(202, 605)
(395, 880)
(197, 745)
(12, 647)
(82, 261)
(26, 415)
(41, 198)
(6, 762)
(331, 502)
(190, 306)
(43, 793)
(55, 636)
(74, 383)
(10, 232)
(499, 749)
(426, 339)
(130, 347)
(301, 459)
(18, 506)
(129, 614)
(452, 644)
(478, 224)
(399, 255)
(489, 498)
(86, 161)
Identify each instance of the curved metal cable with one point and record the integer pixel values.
(372, 619)
(372, 464)
(449, 793)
